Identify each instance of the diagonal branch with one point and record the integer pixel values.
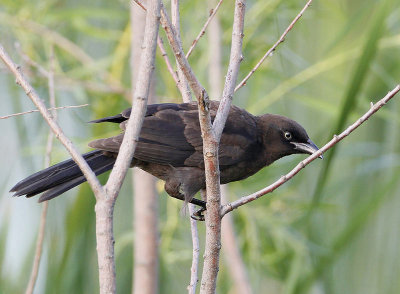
(31, 93)
(233, 69)
(272, 49)
(164, 54)
(139, 101)
(337, 138)
(203, 30)
(197, 88)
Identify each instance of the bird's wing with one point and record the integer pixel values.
(171, 135)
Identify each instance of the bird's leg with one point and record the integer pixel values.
(174, 189)
(198, 215)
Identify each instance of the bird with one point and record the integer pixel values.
(170, 147)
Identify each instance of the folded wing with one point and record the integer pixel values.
(171, 135)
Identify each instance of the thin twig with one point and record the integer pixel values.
(194, 83)
(272, 49)
(45, 205)
(164, 54)
(166, 24)
(49, 109)
(336, 138)
(203, 30)
(178, 76)
(140, 4)
(196, 252)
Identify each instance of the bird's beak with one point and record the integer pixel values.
(308, 147)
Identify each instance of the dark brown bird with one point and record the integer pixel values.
(171, 148)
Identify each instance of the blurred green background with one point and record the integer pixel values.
(334, 228)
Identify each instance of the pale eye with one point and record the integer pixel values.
(288, 135)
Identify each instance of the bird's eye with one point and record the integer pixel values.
(288, 135)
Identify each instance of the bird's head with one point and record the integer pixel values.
(284, 136)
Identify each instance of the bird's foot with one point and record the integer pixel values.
(198, 215)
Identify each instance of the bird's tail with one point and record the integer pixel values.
(62, 177)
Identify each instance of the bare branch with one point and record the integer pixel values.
(139, 103)
(210, 149)
(160, 44)
(272, 49)
(336, 138)
(203, 30)
(197, 88)
(49, 109)
(196, 252)
(230, 247)
(105, 206)
(233, 69)
(140, 4)
(31, 93)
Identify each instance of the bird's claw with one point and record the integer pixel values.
(198, 215)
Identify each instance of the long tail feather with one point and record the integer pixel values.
(61, 177)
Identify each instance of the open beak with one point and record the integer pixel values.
(308, 147)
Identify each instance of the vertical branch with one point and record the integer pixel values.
(231, 251)
(145, 204)
(210, 150)
(105, 206)
(47, 160)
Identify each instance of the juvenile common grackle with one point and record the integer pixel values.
(171, 148)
